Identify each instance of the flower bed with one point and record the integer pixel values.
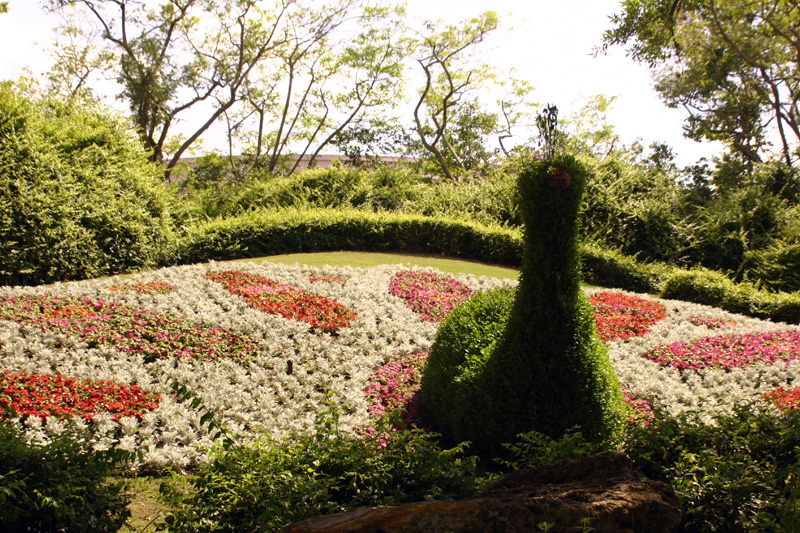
(144, 333)
(286, 301)
(40, 334)
(620, 316)
(432, 296)
(45, 395)
(392, 384)
(710, 323)
(729, 351)
(154, 287)
(327, 279)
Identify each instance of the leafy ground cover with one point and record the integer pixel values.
(273, 371)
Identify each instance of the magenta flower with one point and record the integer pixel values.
(729, 351)
(430, 295)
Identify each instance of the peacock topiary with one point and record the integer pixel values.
(531, 361)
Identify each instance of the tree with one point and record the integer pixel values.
(445, 53)
(321, 84)
(3, 7)
(199, 56)
(731, 64)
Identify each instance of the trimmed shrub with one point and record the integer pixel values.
(712, 288)
(549, 371)
(78, 198)
(311, 230)
(609, 268)
(453, 380)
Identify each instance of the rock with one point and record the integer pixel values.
(603, 488)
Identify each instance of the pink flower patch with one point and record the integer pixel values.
(430, 295)
(729, 351)
(391, 387)
(639, 411)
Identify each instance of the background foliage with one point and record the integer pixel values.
(78, 198)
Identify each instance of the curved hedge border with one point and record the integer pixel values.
(261, 233)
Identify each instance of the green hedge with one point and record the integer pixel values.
(312, 230)
(261, 233)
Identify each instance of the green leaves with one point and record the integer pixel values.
(79, 197)
(730, 64)
(735, 472)
(269, 484)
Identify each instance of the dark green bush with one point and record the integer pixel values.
(548, 371)
(636, 209)
(63, 486)
(776, 268)
(454, 377)
(534, 450)
(712, 288)
(267, 485)
(736, 472)
(78, 198)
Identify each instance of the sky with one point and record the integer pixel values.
(548, 43)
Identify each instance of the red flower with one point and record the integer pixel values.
(46, 395)
(286, 301)
(619, 316)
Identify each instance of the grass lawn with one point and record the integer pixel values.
(371, 259)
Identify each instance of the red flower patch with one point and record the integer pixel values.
(142, 333)
(327, 279)
(710, 323)
(155, 287)
(286, 301)
(783, 398)
(619, 316)
(46, 395)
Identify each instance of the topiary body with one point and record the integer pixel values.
(548, 370)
